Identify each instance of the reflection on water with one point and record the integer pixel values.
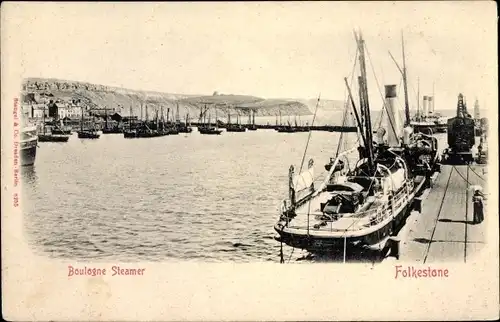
(29, 175)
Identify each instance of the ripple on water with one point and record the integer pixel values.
(175, 198)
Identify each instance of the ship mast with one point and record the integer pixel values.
(418, 97)
(365, 101)
(405, 83)
(130, 119)
(407, 107)
(81, 123)
(43, 120)
(433, 98)
(105, 117)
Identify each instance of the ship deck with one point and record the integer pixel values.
(444, 231)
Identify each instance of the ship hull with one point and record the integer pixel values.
(209, 131)
(325, 243)
(52, 138)
(28, 154)
(61, 132)
(317, 244)
(112, 131)
(236, 129)
(87, 135)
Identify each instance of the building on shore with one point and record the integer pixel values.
(57, 110)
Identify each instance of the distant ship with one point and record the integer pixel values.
(428, 119)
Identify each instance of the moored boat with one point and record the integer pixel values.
(28, 145)
(88, 134)
(251, 125)
(112, 130)
(50, 137)
(209, 130)
(363, 203)
(84, 133)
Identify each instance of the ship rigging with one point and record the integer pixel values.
(360, 206)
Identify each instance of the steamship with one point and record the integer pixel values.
(428, 121)
(363, 203)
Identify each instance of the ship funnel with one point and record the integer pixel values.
(394, 126)
(425, 106)
(430, 104)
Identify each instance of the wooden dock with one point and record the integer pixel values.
(444, 231)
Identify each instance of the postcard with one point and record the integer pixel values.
(249, 161)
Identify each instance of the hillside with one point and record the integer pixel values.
(121, 100)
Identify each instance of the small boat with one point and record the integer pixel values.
(50, 137)
(251, 125)
(110, 130)
(286, 129)
(57, 131)
(234, 127)
(180, 126)
(183, 128)
(208, 129)
(113, 130)
(173, 130)
(87, 133)
(61, 129)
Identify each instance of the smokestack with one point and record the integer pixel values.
(476, 110)
(430, 105)
(393, 126)
(425, 106)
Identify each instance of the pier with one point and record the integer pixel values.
(444, 230)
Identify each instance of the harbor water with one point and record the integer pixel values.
(181, 197)
(173, 198)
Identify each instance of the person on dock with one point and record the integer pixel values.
(477, 199)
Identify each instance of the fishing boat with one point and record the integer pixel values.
(130, 132)
(234, 127)
(207, 128)
(251, 123)
(61, 129)
(182, 127)
(87, 133)
(107, 129)
(362, 200)
(150, 129)
(286, 129)
(50, 137)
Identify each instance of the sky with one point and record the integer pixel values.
(271, 50)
